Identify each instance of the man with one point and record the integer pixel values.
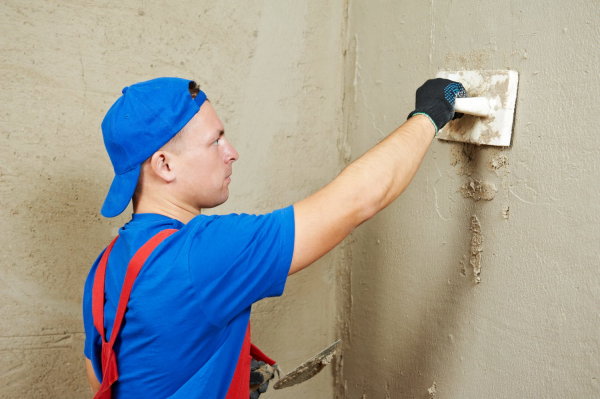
(186, 327)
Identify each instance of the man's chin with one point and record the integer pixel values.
(218, 202)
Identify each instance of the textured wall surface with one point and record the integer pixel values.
(415, 322)
(418, 324)
(273, 71)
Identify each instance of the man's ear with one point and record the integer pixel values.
(161, 166)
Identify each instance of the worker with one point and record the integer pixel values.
(176, 285)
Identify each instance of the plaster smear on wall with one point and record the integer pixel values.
(498, 162)
(478, 190)
(432, 391)
(476, 248)
(487, 174)
(462, 158)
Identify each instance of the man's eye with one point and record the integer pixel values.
(217, 141)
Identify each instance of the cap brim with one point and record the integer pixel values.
(120, 193)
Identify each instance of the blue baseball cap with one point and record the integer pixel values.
(139, 123)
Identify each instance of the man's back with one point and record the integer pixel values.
(190, 305)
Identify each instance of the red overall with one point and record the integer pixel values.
(239, 387)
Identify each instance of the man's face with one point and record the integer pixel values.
(203, 165)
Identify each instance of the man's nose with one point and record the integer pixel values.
(231, 153)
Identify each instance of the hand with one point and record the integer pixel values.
(436, 98)
(260, 375)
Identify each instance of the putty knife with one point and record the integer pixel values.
(489, 110)
(309, 368)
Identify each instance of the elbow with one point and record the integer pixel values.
(373, 200)
(368, 212)
(364, 209)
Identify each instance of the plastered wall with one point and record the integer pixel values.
(304, 88)
(272, 69)
(418, 324)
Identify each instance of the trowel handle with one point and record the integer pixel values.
(479, 106)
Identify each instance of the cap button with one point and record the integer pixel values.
(124, 89)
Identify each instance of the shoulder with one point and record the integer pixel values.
(234, 237)
(240, 222)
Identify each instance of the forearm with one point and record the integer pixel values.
(93, 381)
(379, 176)
(364, 188)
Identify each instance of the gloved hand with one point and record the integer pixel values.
(435, 99)
(260, 375)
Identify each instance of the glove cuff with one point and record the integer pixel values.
(427, 115)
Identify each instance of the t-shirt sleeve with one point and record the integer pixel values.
(236, 260)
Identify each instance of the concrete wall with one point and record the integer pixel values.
(415, 323)
(273, 71)
(418, 324)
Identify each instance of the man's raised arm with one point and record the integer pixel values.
(374, 180)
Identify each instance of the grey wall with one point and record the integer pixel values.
(303, 88)
(271, 68)
(418, 324)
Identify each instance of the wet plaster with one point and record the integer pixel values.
(477, 190)
(476, 248)
(432, 391)
(481, 169)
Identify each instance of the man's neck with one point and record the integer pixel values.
(165, 207)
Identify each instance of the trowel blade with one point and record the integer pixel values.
(500, 86)
(309, 368)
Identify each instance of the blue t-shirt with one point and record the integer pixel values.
(190, 305)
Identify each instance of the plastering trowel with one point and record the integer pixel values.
(489, 110)
(309, 368)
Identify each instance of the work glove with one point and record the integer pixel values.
(435, 99)
(260, 375)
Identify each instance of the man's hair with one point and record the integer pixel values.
(193, 88)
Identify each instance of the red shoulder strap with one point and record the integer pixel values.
(257, 354)
(239, 387)
(98, 290)
(109, 365)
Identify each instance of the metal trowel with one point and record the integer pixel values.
(309, 368)
(489, 110)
